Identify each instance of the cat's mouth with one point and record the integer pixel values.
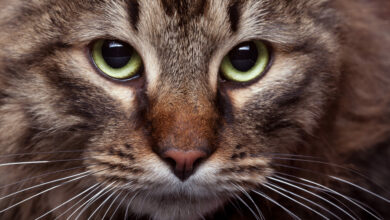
(173, 199)
(156, 191)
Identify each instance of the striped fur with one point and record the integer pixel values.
(325, 96)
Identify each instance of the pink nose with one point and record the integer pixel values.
(183, 163)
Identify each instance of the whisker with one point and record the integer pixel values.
(250, 198)
(47, 190)
(43, 184)
(341, 195)
(276, 203)
(337, 166)
(233, 203)
(318, 189)
(250, 209)
(201, 216)
(66, 202)
(43, 175)
(303, 198)
(91, 201)
(123, 199)
(368, 207)
(128, 206)
(23, 163)
(82, 199)
(40, 162)
(278, 179)
(302, 184)
(361, 188)
(104, 202)
(340, 180)
(112, 203)
(291, 155)
(47, 152)
(294, 200)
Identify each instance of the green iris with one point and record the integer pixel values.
(116, 59)
(245, 62)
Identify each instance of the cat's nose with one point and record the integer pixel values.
(183, 162)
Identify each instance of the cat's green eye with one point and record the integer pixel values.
(245, 62)
(116, 59)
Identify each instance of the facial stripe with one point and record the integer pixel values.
(82, 98)
(37, 54)
(186, 8)
(133, 9)
(234, 15)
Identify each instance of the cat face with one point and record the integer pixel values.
(179, 139)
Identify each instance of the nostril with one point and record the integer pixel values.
(183, 162)
(197, 162)
(171, 162)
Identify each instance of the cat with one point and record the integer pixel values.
(194, 109)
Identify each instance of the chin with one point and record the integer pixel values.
(175, 207)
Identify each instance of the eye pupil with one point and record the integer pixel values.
(116, 54)
(244, 56)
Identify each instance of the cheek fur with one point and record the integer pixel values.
(124, 95)
(323, 102)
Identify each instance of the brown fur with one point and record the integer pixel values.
(325, 95)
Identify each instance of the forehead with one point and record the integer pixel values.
(183, 36)
(215, 17)
(165, 22)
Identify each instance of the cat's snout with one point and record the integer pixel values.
(183, 162)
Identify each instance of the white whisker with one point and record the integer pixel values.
(91, 201)
(341, 195)
(104, 202)
(82, 199)
(238, 208)
(66, 202)
(303, 198)
(128, 205)
(318, 189)
(43, 184)
(112, 203)
(250, 198)
(24, 163)
(42, 175)
(47, 190)
(361, 188)
(332, 165)
(39, 162)
(40, 153)
(123, 199)
(368, 207)
(312, 161)
(250, 209)
(279, 179)
(201, 216)
(291, 155)
(276, 203)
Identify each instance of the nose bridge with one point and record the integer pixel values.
(182, 110)
(183, 120)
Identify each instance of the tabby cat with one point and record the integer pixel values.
(194, 109)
